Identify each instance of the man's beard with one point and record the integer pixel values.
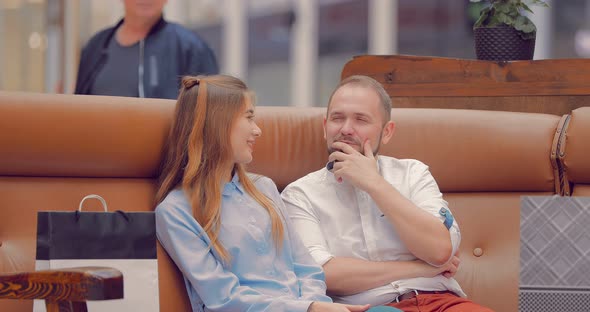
(341, 138)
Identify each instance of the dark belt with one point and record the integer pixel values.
(414, 293)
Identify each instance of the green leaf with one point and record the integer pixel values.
(526, 7)
(493, 21)
(502, 7)
(514, 14)
(481, 21)
(502, 18)
(525, 25)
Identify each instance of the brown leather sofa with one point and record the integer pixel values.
(57, 148)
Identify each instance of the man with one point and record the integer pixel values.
(378, 225)
(143, 55)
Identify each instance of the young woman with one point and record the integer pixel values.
(226, 230)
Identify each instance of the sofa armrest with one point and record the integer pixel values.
(65, 289)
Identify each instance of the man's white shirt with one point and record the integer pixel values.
(338, 220)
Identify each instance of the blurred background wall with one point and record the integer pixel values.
(290, 52)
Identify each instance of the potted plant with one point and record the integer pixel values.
(503, 32)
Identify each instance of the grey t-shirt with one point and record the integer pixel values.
(119, 76)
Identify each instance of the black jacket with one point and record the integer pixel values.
(169, 52)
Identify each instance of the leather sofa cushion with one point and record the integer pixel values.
(82, 136)
(471, 150)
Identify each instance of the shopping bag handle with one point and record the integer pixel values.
(93, 196)
(104, 205)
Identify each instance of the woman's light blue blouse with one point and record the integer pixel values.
(259, 277)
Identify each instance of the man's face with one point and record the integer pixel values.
(355, 115)
(144, 8)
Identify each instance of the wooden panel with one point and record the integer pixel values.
(433, 76)
(556, 105)
(544, 86)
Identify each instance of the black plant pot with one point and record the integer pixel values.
(502, 43)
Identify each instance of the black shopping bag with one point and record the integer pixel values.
(122, 240)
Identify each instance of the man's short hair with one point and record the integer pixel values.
(366, 81)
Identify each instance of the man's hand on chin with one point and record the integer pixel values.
(357, 169)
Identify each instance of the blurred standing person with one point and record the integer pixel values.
(143, 55)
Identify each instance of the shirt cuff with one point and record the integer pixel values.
(321, 257)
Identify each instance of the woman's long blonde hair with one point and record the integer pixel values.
(198, 152)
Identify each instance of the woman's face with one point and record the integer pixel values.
(243, 134)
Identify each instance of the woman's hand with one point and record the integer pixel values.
(318, 306)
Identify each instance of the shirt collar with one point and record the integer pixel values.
(232, 186)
